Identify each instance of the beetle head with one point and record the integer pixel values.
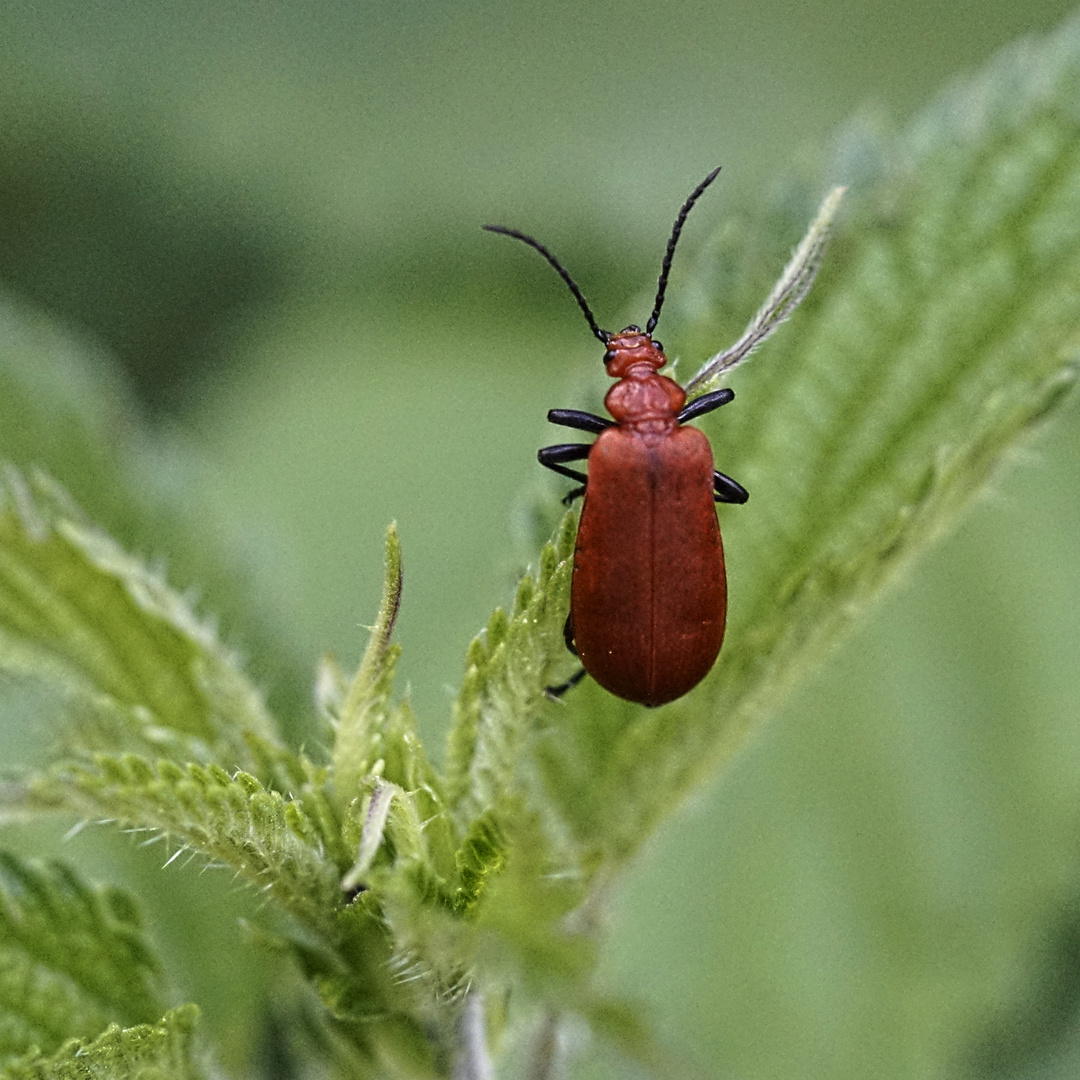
(631, 348)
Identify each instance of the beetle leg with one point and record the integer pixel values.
(573, 474)
(554, 693)
(583, 421)
(568, 634)
(728, 490)
(705, 404)
(551, 457)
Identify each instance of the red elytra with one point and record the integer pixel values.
(648, 597)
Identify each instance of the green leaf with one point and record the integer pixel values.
(506, 671)
(73, 958)
(270, 841)
(482, 855)
(942, 329)
(358, 711)
(64, 407)
(370, 737)
(622, 1025)
(384, 784)
(532, 909)
(388, 813)
(161, 1051)
(78, 612)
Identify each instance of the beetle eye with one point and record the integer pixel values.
(609, 356)
(659, 347)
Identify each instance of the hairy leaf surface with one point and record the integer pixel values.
(270, 841)
(161, 1051)
(64, 407)
(73, 958)
(81, 613)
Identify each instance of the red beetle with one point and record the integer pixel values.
(648, 597)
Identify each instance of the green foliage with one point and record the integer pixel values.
(507, 669)
(941, 331)
(80, 989)
(79, 612)
(72, 959)
(360, 709)
(160, 1051)
(269, 841)
(371, 736)
(65, 409)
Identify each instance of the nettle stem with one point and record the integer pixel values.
(474, 1062)
(544, 1052)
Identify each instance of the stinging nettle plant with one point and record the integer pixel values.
(428, 908)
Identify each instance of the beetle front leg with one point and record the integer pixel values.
(582, 421)
(727, 490)
(705, 404)
(551, 457)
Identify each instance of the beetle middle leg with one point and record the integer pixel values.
(551, 457)
(726, 490)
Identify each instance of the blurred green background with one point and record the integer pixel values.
(269, 215)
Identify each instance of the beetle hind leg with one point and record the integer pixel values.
(568, 635)
(555, 693)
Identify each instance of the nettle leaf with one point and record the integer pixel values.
(394, 819)
(507, 668)
(161, 1051)
(530, 910)
(73, 959)
(65, 407)
(387, 821)
(944, 326)
(81, 614)
(371, 736)
(269, 840)
(358, 711)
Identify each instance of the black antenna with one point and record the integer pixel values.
(665, 269)
(603, 335)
